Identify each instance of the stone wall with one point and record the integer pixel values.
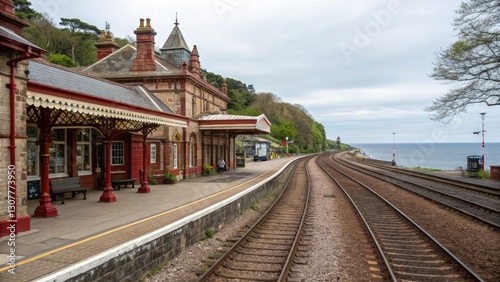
(20, 122)
(133, 261)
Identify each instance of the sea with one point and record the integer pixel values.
(443, 156)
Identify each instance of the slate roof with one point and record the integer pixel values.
(175, 40)
(8, 35)
(120, 62)
(235, 124)
(71, 80)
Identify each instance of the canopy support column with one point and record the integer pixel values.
(107, 194)
(45, 209)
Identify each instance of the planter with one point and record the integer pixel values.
(169, 181)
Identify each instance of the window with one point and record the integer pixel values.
(207, 154)
(58, 152)
(193, 106)
(191, 152)
(174, 154)
(83, 150)
(117, 153)
(152, 153)
(32, 151)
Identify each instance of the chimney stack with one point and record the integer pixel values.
(105, 45)
(9, 19)
(145, 58)
(195, 61)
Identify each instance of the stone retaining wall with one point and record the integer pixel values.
(132, 261)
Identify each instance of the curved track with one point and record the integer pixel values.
(408, 252)
(481, 203)
(266, 251)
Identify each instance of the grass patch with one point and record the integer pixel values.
(255, 206)
(153, 271)
(209, 233)
(426, 169)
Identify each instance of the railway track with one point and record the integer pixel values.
(408, 252)
(266, 251)
(481, 203)
(486, 190)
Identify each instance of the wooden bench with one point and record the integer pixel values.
(117, 183)
(60, 186)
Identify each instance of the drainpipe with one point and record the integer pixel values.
(12, 187)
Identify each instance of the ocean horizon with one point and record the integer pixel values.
(443, 156)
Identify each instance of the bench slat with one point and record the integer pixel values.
(60, 186)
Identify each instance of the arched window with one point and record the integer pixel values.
(176, 138)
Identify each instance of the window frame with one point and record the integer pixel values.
(87, 143)
(120, 153)
(152, 153)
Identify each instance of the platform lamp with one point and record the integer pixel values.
(287, 145)
(394, 149)
(482, 143)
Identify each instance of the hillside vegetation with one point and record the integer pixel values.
(72, 44)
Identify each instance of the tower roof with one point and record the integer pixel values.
(175, 40)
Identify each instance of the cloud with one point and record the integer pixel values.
(294, 49)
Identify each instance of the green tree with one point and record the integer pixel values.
(24, 10)
(61, 59)
(81, 41)
(338, 142)
(472, 63)
(77, 26)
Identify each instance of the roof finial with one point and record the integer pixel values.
(107, 27)
(176, 22)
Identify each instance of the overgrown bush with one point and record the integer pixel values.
(208, 169)
(483, 174)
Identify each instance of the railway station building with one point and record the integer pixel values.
(133, 114)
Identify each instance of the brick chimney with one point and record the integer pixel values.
(195, 61)
(224, 86)
(9, 19)
(105, 45)
(145, 57)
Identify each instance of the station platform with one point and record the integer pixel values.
(85, 228)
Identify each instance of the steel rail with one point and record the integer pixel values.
(286, 266)
(435, 241)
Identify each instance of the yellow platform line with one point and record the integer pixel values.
(123, 227)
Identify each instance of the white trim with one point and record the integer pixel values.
(49, 101)
(146, 93)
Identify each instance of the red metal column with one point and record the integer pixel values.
(145, 184)
(45, 209)
(107, 193)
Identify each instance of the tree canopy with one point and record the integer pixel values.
(472, 63)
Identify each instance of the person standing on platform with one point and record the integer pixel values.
(221, 165)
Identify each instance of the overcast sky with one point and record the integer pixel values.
(359, 67)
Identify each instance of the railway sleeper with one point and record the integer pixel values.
(239, 277)
(250, 253)
(260, 260)
(273, 236)
(429, 277)
(254, 269)
(267, 248)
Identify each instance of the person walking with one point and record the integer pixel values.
(221, 165)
